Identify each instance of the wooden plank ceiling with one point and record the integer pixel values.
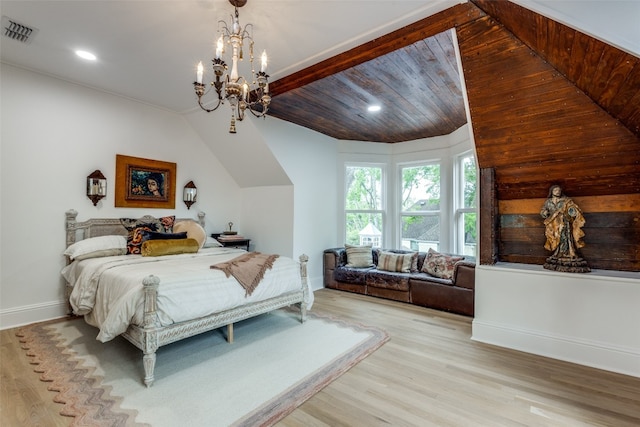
(411, 73)
(547, 103)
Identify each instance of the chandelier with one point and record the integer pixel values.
(242, 94)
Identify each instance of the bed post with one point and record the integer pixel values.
(149, 333)
(305, 287)
(201, 218)
(70, 226)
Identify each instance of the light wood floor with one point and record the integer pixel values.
(429, 374)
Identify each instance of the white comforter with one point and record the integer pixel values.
(108, 291)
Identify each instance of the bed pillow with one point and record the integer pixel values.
(359, 256)
(156, 235)
(401, 263)
(210, 242)
(95, 247)
(135, 227)
(440, 265)
(169, 247)
(193, 230)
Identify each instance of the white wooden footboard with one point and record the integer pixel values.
(151, 335)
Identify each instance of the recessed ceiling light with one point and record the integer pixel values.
(86, 55)
(373, 108)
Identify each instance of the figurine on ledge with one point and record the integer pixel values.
(563, 222)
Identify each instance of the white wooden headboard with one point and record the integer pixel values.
(95, 227)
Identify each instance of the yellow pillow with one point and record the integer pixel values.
(169, 247)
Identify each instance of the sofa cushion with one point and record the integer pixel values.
(399, 262)
(359, 256)
(440, 265)
(426, 277)
(351, 275)
(387, 280)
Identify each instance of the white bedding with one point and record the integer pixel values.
(108, 291)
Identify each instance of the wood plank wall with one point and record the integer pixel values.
(533, 127)
(612, 231)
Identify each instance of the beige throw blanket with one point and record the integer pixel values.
(248, 269)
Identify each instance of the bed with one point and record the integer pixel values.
(156, 300)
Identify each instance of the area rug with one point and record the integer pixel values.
(274, 364)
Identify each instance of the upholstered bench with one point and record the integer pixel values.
(418, 284)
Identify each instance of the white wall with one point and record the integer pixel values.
(590, 319)
(309, 159)
(53, 135)
(267, 215)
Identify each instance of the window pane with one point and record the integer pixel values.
(421, 188)
(364, 188)
(419, 233)
(364, 229)
(469, 169)
(470, 234)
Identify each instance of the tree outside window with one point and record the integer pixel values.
(363, 205)
(420, 207)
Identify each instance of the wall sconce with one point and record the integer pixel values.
(96, 186)
(189, 194)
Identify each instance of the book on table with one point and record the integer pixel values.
(230, 238)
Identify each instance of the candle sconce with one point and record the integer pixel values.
(96, 186)
(189, 194)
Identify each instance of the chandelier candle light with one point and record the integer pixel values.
(241, 93)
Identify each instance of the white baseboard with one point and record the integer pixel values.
(27, 314)
(316, 283)
(582, 352)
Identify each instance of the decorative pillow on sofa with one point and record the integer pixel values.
(359, 256)
(169, 247)
(193, 230)
(399, 262)
(135, 227)
(439, 265)
(95, 247)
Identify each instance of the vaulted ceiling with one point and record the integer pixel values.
(413, 74)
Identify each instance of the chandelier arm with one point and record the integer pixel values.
(241, 107)
(258, 113)
(199, 88)
(209, 110)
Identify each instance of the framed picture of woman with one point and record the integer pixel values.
(145, 183)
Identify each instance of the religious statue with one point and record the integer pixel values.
(563, 222)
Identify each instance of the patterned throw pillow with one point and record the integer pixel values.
(398, 262)
(135, 227)
(359, 256)
(439, 265)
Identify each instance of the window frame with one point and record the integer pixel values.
(383, 198)
(422, 213)
(459, 209)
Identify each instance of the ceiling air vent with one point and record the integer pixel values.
(16, 31)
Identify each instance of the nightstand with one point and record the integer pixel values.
(233, 243)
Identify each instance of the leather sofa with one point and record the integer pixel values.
(455, 295)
